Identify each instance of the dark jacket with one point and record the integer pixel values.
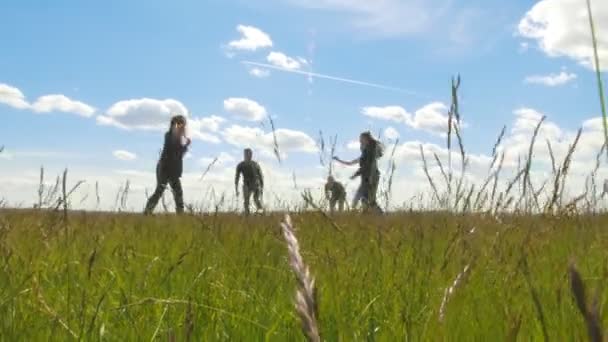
(171, 158)
(335, 191)
(252, 174)
(368, 165)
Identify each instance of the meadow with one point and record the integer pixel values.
(506, 259)
(120, 277)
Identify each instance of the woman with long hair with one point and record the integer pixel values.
(170, 165)
(371, 151)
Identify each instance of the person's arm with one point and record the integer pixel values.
(237, 177)
(347, 163)
(184, 142)
(260, 175)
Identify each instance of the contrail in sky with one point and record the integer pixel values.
(333, 78)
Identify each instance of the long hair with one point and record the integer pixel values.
(177, 119)
(374, 144)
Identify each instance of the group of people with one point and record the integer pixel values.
(170, 167)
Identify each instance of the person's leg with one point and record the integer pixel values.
(357, 197)
(341, 204)
(178, 194)
(332, 205)
(257, 198)
(373, 190)
(246, 198)
(161, 184)
(365, 191)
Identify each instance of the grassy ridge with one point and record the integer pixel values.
(227, 278)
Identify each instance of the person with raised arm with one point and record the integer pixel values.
(371, 151)
(170, 165)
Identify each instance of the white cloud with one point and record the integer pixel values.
(211, 123)
(245, 108)
(391, 133)
(12, 96)
(391, 113)
(253, 137)
(561, 28)
(551, 80)
(281, 60)
(386, 17)
(353, 145)
(154, 115)
(252, 39)
(430, 118)
(124, 155)
(62, 103)
(259, 72)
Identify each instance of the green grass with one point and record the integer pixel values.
(227, 278)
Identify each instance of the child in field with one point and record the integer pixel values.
(335, 193)
(371, 151)
(253, 181)
(170, 165)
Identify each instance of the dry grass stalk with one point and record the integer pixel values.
(590, 312)
(428, 175)
(209, 168)
(306, 304)
(392, 167)
(553, 165)
(560, 177)
(276, 150)
(528, 166)
(449, 292)
(46, 308)
(97, 197)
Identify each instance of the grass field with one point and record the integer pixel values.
(128, 277)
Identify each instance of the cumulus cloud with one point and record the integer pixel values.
(245, 108)
(281, 60)
(62, 103)
(259, 72)
(391, 133)
(13, 97)
(561, 28)
(124, 155)
(252, 39)
(551, 80)
(431, 118)
(154, 115)
(287, 139)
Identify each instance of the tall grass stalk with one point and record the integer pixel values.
(306, 295)
(598, 72)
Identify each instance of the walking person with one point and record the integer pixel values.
(335, 193)
(371, 151)
(253, 181)
(170, 165)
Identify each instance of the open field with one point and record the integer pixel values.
(128, 277)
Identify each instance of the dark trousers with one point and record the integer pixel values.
(367, 192)
(255, 191)
(162, 179)
(339, 201)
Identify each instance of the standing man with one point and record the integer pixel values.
(335, 193)
(253, 181)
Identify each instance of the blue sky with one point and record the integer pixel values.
(100, 54)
